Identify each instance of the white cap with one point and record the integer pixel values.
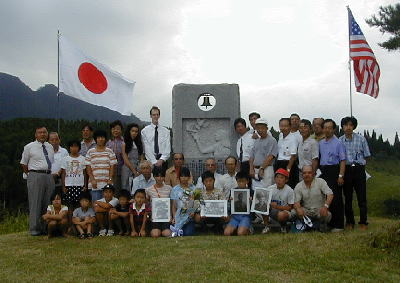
(261, 121)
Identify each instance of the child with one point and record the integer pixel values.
(183, 210)
(73, 177)
(56, 216)
(282, 201)
(138, 212)
(210, 193)
(102, 208)
(100, 162)
(84, 216)
(239, 222)
(159, 190)
(119, 215)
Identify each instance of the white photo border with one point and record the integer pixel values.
(233, 191)
(253, 203)
(225, 214)
(153, 205)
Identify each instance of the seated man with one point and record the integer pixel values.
(145, 179)
(211, 165)
(312, 198)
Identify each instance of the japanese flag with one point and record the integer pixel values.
(86, 79)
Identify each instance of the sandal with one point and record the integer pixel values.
(89, 235)
(81, 236)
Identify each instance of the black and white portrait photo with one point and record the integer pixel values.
(214, 208)
(261, 200)
(240, 201)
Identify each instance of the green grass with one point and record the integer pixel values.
(14, 223)
(311, 257)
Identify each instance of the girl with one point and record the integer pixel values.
(56, 216)
(132, 151)
(138, 212)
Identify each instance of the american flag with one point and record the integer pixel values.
(366, 68)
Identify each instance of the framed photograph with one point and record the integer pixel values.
(261, 200)
(214, 208)
(160, 209)
(240, 203)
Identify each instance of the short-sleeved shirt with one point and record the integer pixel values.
(246, 142)
(100, 162)
(307, 151)
(114, 201)
(116, 146)
(58, 159)
(182, 198)
(282, 197)
(81, 214)
(287, 146)
(172, 179)
(356, 149)
(140, 182)
(313, 197)
(263, 148)
(229, 183)
(85, 148)
(119, 208)
(52, 210)
(33, 155)
(138, 214)
(331, 151)
(217, 183)
(74, 166)
(154, 192)
(215, 194)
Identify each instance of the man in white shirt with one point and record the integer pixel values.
(229, 179)
(295, 126)
(253, 116)
(287, 152)
(145, 179)
(36, 161)
(244, 144)
(211, 165)
(156, 140)
(59, 154)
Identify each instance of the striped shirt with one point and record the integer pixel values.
(100, 162)
(356, 149)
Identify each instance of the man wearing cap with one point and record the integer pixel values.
(262, 156)
(357, 151)
(313, 198)
(244, 144)
(36, 162)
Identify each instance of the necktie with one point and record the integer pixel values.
(46, 155)
(241, 150)
(156, 149)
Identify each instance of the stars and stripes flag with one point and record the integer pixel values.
(366, 68)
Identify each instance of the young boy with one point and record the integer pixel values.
(159, 190)
(56, 216)
(100, 162)
(73, 175)
(138, 213)
(102, 208)
(239, 222)
(210, 193)
(119, 216)
(282, 201)
(84, 216)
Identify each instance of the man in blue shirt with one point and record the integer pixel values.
(357, 151)
(332, 165)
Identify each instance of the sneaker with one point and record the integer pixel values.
(337, 230)
(283, 230)
(251, 230)
(266, 230)
(257, 220)
(102, 232)
(110, 232)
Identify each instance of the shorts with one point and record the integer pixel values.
(240, 220)
(273, 213)
(160, 225)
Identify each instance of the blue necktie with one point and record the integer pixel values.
(46, 154)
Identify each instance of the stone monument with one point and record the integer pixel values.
(202, 123)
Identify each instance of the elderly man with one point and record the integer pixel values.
(156, 140)
(357, 151)
(313, 198)
(173, 173)
(229, 179)
(317, 129)
(36, 161)
(145, 179)
(211, 165)
(253, 116)
(59, 154)
(332, 165)
(308, 150)
(87, 140)
(244, 144)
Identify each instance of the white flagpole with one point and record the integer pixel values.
(58, 81)
(351, 99)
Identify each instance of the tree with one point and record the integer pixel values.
(388, 21)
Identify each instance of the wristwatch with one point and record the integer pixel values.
(326, 205)
(340, 176)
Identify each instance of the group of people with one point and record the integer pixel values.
(101, 186)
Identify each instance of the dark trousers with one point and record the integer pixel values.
(245, 166)
(294, 173)
(330, 173)
(355, 180)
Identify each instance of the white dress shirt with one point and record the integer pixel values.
(164, 143)
(228, 183)
(217, 184)
(58, 160)
(33, 155)
(287, 146)
(298, 136)
(247, 143)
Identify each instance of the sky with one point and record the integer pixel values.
(287, 56)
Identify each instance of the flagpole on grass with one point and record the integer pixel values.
(351, 99)
(58, 81)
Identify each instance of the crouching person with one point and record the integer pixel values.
(84, 216)
(313, 198)
(103, 207)
(56, 216)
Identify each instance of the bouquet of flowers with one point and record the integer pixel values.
(191, 201)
